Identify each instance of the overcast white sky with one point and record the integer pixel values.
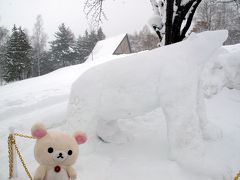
(123, 15)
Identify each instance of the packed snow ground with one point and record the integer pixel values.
(145, 156)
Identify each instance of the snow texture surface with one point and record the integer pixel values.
(146, 155)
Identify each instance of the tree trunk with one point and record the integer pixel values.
(169, 20)
(193, 8)
(174, 31)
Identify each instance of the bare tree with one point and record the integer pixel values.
(175, 17)
(237, 2)
(3, 35)
(143, 40)
(3, 40)
(94, 10)
(213, 15)
(39, 40)
(171, 21)
(205, 13)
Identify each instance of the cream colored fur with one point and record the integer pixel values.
(53, 150)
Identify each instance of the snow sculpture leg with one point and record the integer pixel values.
(82, 114)
(187, 125)
(183, 127)
(109, 131)
(210, 131)
(201, 109)
(86, 114)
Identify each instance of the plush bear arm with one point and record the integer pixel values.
(40, 173)
(72, 173)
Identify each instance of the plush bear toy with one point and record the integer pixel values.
(56, 153)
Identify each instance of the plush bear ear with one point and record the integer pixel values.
(38, 130)
(80, 137)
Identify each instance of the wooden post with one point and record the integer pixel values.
(15, 171)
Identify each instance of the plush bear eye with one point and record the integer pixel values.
(50, 150)
(70, 152)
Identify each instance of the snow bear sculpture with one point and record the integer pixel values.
(56, 153)
(166, 77)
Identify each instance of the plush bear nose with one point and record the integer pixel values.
(59, 156)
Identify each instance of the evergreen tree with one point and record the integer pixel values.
(17, 64)
(92, 39)
(85, 44)
(81, 49)
(63, 47)
(9, 65)
(100, 34)
(25, 55)
(46, 62)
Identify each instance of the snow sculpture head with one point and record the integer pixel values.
(56, 150)
(222, 71)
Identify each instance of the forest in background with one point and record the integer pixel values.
(24, 56)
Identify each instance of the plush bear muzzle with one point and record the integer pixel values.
(59, 156)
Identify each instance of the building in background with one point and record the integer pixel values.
(109, 47)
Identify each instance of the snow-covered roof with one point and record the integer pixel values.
(106, 47)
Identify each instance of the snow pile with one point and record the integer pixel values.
(156, 20)
(222, 71)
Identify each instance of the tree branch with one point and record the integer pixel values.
(180, 16)
(94, 10)
(189, 20)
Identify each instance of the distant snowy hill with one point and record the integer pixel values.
(144, 157)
